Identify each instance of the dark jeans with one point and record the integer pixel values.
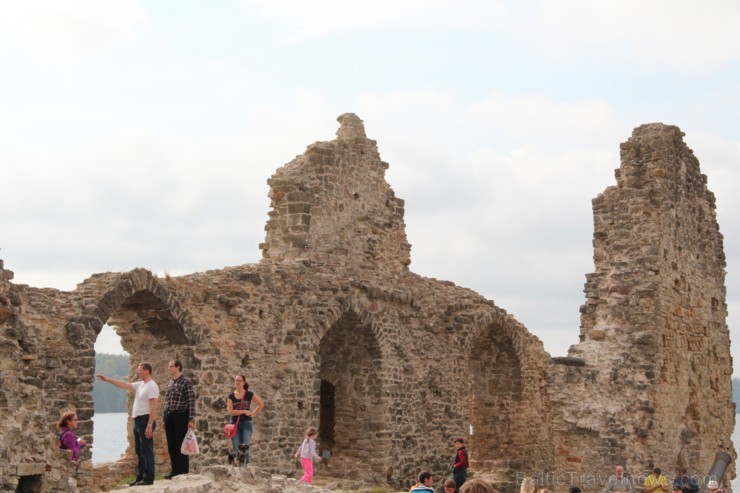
(460, 476)
(144, 449)
(176, 427)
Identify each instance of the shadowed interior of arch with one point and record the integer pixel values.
(495, 402)
(143, 311)
(350, 400)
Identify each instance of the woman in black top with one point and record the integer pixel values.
(238, 403)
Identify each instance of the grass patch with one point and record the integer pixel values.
(128, 479)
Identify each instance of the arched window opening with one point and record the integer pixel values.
(110, 404)
(146, 329)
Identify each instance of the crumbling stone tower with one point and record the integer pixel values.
(332, 329)
(332, 204)
(656, 382)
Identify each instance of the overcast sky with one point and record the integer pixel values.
(141, 134)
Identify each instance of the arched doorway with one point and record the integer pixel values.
(351, 415)
(495, 402)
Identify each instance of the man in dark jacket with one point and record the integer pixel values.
(460, 467)
(685, 483)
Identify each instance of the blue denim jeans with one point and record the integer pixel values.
(243, 435)
(144, 448)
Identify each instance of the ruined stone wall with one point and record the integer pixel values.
(333, 203)
(332, 330)
(34, 377)
(655, 387)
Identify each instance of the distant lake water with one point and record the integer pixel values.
(111, 438)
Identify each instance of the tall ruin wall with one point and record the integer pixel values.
(332, 329)
(655, 387)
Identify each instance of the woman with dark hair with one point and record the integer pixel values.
(66, 432)
(238, 403)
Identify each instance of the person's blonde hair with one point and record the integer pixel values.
(477, 485)
(543, 490)
(527, 485)
(66, 418)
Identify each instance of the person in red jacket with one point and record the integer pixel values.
(460, 468)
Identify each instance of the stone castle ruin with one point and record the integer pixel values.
(333, 329)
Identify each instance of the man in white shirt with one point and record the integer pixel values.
(143, 412)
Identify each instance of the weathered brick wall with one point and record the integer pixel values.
(656, 386)
(34, 378)
(333, 204)
(333, 330)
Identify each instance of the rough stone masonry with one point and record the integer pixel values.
(330, 327)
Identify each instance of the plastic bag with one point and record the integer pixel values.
(190, 444)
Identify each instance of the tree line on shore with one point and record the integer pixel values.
(107, 398)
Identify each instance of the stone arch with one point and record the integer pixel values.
(151, 323)
(507, 406)
(352, 391)
(106, 295)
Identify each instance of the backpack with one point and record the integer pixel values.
(61, 435)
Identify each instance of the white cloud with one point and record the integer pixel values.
(524, 119)
(682, 34)
(72, 31)
(108, 342)
(686, 35)
(319, 18)
(139, 197)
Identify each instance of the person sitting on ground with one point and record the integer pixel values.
(477, 485)
(424, 485)
(656, 482)
(685, 483)
(66, 432)
(618, 482)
